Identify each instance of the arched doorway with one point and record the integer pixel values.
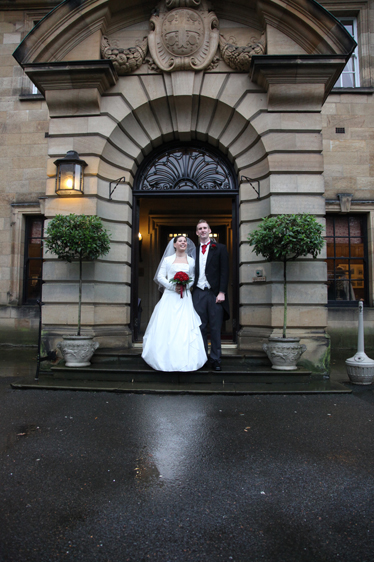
(175, 187)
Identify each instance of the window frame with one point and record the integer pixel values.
(365, 235)
(354, 57)
(27, 259)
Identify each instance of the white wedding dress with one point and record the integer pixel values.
(173, 341)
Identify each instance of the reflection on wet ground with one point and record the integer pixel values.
(17, 361)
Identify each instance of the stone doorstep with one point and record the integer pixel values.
(47, 382)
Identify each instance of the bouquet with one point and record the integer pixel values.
(181, 279)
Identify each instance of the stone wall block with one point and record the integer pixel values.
(154, 86)
(67, 292)
(67, 315)
(251, 104)
(247, 138)
(255, 316)
(72, 126)
(236, 126)
(205, 116)
(252, 155)
(115, 106)
(253, 210)
(112, 172)
(132, 90)
(234, 88)
(122, 193)
(111, 210)
(219, 123)
(212, 85)
(83, 101)
(161, 110)
(112, 272)
(112, 293)
(112, 315)
(285, 204)
(147, 119)
(296, 162)
(66, 205)
(301, 183)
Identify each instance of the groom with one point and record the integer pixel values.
(210, 290)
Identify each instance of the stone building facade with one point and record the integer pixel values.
(251, 90)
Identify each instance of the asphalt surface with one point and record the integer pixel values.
(98, 476)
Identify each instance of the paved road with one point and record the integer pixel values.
(119, 477)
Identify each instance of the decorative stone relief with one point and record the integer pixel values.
(124, 60)
(239, 58)
(186, 169)
(184, 38)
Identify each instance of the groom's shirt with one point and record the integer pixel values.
(202, 282)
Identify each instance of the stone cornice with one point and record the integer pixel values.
(15, 5)
(98, 74)
(297, 69)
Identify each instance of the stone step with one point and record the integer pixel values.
(134, 369)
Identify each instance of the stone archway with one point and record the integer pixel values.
(174, 187)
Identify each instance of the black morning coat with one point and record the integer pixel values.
(216, 271)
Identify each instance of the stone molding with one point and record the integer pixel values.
(297, 69)
(304, 21)
(75, 75)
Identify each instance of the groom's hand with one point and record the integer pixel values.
(220, 298)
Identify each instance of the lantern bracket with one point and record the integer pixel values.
(116, 182)
(250, 180)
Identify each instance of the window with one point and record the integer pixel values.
(33, 260)
(350, 77)
(347, 272)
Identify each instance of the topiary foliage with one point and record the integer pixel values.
(73, 237)
(77, 237)
(285, 238)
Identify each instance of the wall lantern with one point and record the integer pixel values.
(69, 176)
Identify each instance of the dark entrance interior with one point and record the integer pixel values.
(156, 220)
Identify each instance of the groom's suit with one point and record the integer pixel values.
(217, 274)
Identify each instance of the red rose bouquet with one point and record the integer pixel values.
(181, 279)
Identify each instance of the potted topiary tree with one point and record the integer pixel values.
(77, 237)
(285, 238)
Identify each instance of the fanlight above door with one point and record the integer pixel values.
(186, 170)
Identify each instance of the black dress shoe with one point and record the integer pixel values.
(216, 366)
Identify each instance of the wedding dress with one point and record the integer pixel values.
(173, 341)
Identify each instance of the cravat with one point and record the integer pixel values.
(204, 247)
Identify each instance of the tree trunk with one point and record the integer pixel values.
(285, 298)
(80, 297)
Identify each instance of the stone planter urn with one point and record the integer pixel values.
(77, 350)
(284, 353)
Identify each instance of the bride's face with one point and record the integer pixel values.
(181, 244)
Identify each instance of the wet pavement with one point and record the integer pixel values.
(113, 477)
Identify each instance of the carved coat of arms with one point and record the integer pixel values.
(183, 38)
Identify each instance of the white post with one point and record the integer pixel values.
(360, 367)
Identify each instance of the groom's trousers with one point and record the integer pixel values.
(210, 313)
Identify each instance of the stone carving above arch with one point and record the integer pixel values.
(184, 38)
(239, 58)
(124, 60)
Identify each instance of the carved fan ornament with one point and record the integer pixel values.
(184, 35)
(188, 169)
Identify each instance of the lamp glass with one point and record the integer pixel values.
(69, 177)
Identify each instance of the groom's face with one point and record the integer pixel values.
(203, 230)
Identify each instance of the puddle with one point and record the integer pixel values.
(17, 361)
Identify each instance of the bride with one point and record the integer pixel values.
(172, 340)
